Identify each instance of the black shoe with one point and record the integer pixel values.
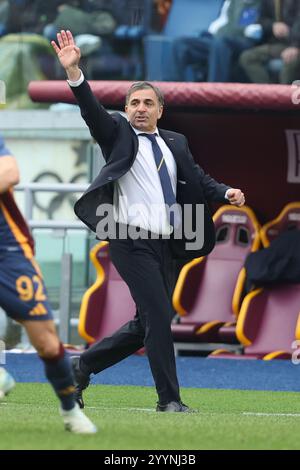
(174, 407)
(81, 380)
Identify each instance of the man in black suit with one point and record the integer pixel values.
(145, 168)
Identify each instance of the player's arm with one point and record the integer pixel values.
(9, 172)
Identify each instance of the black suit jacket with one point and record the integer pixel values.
(119, 145)
(277, 264)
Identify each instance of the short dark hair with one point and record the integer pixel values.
(145, 86)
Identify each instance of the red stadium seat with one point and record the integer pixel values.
(268, 323)
(269, 320)
(208, 291)
(288, 218)
(107, 304)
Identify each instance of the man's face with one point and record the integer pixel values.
(143, 110)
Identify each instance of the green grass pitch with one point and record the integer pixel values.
(227, 419)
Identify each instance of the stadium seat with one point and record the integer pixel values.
(186, 18)
(209, 289)
(269, 320)
(107, 304)
(268, 324)
(288, 218)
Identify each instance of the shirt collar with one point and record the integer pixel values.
(137, 131)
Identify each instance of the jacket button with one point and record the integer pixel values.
(109, 178)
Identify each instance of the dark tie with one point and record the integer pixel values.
(165, 180)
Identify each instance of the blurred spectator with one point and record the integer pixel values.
(124, 11)
(162, 8)
(95, 24)
(80, 22)
(30, 15)
(215, 50)
(89, 24)
(280, 29)
(24, 54)
(22, 57)
(121, 52)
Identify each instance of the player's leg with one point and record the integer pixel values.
(24, 298)
(43, 337)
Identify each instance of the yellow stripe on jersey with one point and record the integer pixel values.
(21, 239)
(39, 309)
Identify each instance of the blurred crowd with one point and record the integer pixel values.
(248, 41)
(93, 22)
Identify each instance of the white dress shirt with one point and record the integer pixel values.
(76, 82)
(138, 195)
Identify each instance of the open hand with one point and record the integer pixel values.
(68, 54)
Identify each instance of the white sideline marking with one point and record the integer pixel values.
(271, 414)
(118, 408)
(97, 407)
(151, 410)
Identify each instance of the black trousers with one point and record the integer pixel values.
(145, 266)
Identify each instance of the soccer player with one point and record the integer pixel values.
(24, 298)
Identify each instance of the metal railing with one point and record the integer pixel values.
(30, 188)
(62, 226)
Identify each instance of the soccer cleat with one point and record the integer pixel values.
(7, 383)
(76, 421)
(174, 407)
(81, 380)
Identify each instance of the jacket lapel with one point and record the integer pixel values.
(171, 143)
(135, 142)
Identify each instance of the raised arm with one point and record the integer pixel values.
(68, 54)
(101, 125)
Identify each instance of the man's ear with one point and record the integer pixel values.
(160, 112)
